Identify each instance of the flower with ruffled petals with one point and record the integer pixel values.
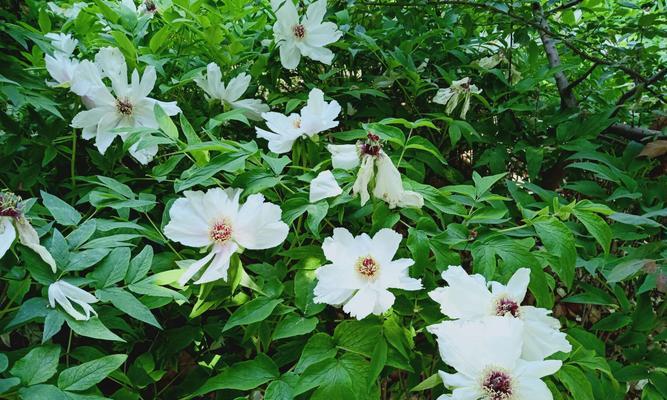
(305, 36)
(486, 354)
(459, 91)
(315, 117)
(324, 186)
(361, 270)
(65, 293)
(128, 107)
(229, 95)
(214, 219)
(68, 13)
(12, 221)
(468, 297)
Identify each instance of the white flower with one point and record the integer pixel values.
(69, 13)
(212, 84)
(344, 156)
(12, 221)
(62, 42)
(361, 271)
(128, 107)
(324, 186)
(65, 293)
(460, 90)
(216, 219)
(468, 297)
(388, 185)
(303, 37)
(315, 117)
(486, 354)
(60, 65)
(147, 7)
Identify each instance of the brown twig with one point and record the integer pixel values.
(582, 78)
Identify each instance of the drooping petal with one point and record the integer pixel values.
(258, 224)
(344, 156)
(105, 134)
(28, 237)
(220, 265)
(62, 292)
(237, 86)
(542, 334)
(7, 234)
(443, 96)
(253, 108)
(465, 297)
(324, 186)
(195, 267)
(364, 177)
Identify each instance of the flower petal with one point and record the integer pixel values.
(324, 186)
(466, 296)
(7, 234)
(258, 224)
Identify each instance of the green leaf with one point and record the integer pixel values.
(4, 362)
(483, 184)
(245, 375)
(625, 270)
(357, 336)
(253, 311)
(576, 382)
(42, 392)
(428, 383)
(90, 373)
(128, 304)
(319, 347)
(559, 241)
(38, 365)
(294, 325)
(140, 265)
(113, 268)
(62, 212)
(52, 324)
(279, 390)
(93, 328)
(85, 259)
(164, 121)
(6, 384)
(596, 226)
(378, 360)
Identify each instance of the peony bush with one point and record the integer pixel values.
(453, 200)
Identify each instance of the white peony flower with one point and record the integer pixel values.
(65, 293)
(62, 42)
(303, 37)
(486, 354)
(459, 91)
(361, 271)
(215, 219)
(315, 117)
(388, 185)
(212, 84)
(12, 221)
(69, 13)
(128, 107)
(468, 297)
(324, 186)
(61, 66)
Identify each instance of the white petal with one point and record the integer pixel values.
(194, 268)
(342, 248)
(335, 284)
(28, 237)
(385, 299)
(322, 35)
(324, 186)
(518, 284)
(533, 389)
(443, 96)
(187, 226)
(542, 334)
(361, 304)
(290, 55)
(105, 134)
(321, 54)
(318, 115)
(7, 234)
(220, 265)
(62, 292)
(470, 349)
(466, 296)
(111, 63)
(315, 13)
(284, 131)
(389, 187)
(254, 108)
(86, 78)
(385, 244)
(258, 225)
(344, 156)
(146, 84)
(364, 177)
(237, 86)
(538, 369)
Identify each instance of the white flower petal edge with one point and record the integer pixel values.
(303, 37)
(486, 355)
(361, 270)
(29, 238)
(389, 187)
(459, 90)
(7, 235)
(284, 131)
(318, 115)
(65, 293)
(324, 186)
(215, 219)
(468, 297)
(212, 84)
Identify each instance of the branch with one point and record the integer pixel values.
(567, 98)
(583, 77)
(564, 6)
(632, 132)
(629, 94)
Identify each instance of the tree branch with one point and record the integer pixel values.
(638, 88)
(564, 6)
(583, 77)
(632, 132)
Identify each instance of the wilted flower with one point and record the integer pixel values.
(459, 91)
(486, 354)
(212, 84)
(361, 271)
(68, 13)
(324, 186)
(315, 117)
(303, 37)
(65, 293)
(12, 221)
(468, 297)
(499, 50)
(369, 155)
(128, 107)
(216, 219)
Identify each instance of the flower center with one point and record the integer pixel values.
(124, 106)
(367, 267)
(372, 145)
(150, 6)
(299, 31)
(221, 232)
(497, 385)
(297, 123)
(506, 306)
(10, 205)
